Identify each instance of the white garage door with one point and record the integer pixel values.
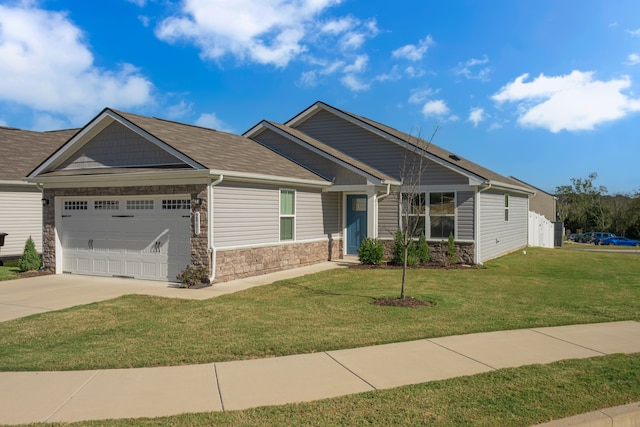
(129, 237)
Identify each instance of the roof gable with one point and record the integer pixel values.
(476, 174)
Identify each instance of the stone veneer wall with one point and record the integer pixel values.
(438, 250)
(239, 263)
(199, 244)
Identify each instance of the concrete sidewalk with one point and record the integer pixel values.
(24, 297)
(151, 392)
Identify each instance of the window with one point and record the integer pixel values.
(442, 214)
(287, 214)
(506, 207)
(413, 210)
(172, 204)
(137, 205)
(110, 205)
(75, 205)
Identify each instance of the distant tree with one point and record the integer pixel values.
(581, 205)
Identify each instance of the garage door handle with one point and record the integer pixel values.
(90, 244)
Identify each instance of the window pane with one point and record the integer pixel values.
(413, 204)
(287, 202)
(442, 203)
(441, 227)
(416, 225)
(286, 228)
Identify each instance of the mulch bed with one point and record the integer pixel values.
(33, 273)
(408, 302)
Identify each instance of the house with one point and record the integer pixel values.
(143, 197)
(20, 205)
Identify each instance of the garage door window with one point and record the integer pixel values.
(106, 205)
(176, 204)
(75, 205)
(137, 205)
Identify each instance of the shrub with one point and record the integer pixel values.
(30, 260)
(193, 276)
(422, 250)
(371, 251)
(397, 253)
(452, 251)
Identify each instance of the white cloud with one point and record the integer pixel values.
(413, 52)
(262, 31)
(634, 32)
(476, 116)
(435, 108)
(358, 66)
(3, 123)
(569, 102)
(339, 26)
(46, 65)
(210, 120)
(473, 69)
(308, 79)
(633, 59)
(139, 3)
(354, 83)
(414, 72)
(179, 110)
(419, 96)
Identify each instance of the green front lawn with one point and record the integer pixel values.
(328, 311)
(9, 270)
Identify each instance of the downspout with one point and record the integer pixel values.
(212, 247)
(41, 188)
(477, 224)
(378, 198)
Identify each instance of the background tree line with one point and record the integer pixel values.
(583, 206)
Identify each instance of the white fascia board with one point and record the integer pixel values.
(321, 153)
(300, 118)
(125, 179)
(15, 183)
(262, 178)
(102, 121)
(511, 187)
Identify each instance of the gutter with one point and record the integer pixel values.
(212, 247)
(382, 196)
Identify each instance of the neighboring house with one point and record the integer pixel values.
(20, 202)
(541, 202)
(143, 197)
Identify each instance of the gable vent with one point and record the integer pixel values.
(454, 157)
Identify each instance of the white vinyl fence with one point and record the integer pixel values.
(540, 231)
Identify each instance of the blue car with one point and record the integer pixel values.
(620, 241)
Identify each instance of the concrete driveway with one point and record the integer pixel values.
(24, 297)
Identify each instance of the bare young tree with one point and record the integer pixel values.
(412, 201)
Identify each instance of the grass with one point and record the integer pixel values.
(509, 397)
(327, 311)
(9, 270)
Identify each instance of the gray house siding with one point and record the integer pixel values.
(498, 237)
(249, 215)
(118, 146)
(245, 214)
(387, 156)
(388, 216)
(313, 161)
(466, 215)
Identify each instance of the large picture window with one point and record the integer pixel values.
(442, 214)
(287, 214)
(414, 213)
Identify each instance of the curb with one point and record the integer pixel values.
(618, 416)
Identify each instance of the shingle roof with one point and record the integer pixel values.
(220, 150)
(332, 151)
(23, 150)
(432, 149)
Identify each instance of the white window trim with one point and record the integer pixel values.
(402, 213)
(428, 213)
(507, 203)
(280, 215)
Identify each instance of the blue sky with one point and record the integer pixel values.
(543, 90)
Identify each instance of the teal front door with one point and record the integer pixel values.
(356, 222)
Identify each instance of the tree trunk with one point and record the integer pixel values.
(404, 270)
